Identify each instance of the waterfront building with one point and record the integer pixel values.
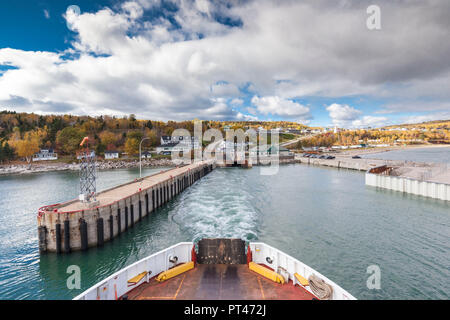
(183, 144)
(111, 154)
(45, 154)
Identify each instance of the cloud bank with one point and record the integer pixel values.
(184, 59)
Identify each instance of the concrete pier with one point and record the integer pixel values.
(425, 179)
(384, 177)
(342, 162)
(75, 225)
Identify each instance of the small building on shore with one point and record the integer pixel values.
(45, 154)
(146, 155)
(183, 144)
(110, 154)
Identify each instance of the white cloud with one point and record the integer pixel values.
(342, 115)
(133, 9)
(370, 121)
(346, 116)
(445, 115)
(277, 50)
(46, 14)
(277, 106)
(245, 117)
(237, 102)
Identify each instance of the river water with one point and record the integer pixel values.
(325, 217)
(434, 154)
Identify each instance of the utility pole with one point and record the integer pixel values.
(140, 157)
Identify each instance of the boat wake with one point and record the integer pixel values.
(218, 207)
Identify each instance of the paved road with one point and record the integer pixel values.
(287, 143)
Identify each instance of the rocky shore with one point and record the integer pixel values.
(9, 169)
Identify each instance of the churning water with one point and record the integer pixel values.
(325, 217)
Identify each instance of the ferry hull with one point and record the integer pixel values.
(231, 279)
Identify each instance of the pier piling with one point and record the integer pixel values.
(67, 236)
(86, 225)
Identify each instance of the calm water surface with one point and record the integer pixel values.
(325, 217)
(435, 154)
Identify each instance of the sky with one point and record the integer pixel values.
(314, 62)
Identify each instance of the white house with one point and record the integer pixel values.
(45, 154)
(111, 154)
(187, 141)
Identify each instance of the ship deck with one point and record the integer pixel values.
(218, 282)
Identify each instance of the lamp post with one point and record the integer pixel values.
(140, 157)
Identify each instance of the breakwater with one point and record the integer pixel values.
(75, 225)
(382, 177)
(342, 162)
(430, 180)
(9, 169)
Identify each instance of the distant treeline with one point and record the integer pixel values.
(23, 134)
(438, 131)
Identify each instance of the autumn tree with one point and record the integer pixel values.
(27, 146)
(132, 143)
(109, 138)
(69, 139)
(6, 152)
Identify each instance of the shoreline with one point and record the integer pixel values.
(391, 148)
(22, 169)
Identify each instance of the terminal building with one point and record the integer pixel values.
(183, 144)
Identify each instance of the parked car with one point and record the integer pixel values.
(330, 157)
(322, 156)
(356, 157)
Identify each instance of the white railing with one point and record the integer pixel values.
(117, 285)
(262, 251)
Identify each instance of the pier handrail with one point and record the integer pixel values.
(43, 209)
